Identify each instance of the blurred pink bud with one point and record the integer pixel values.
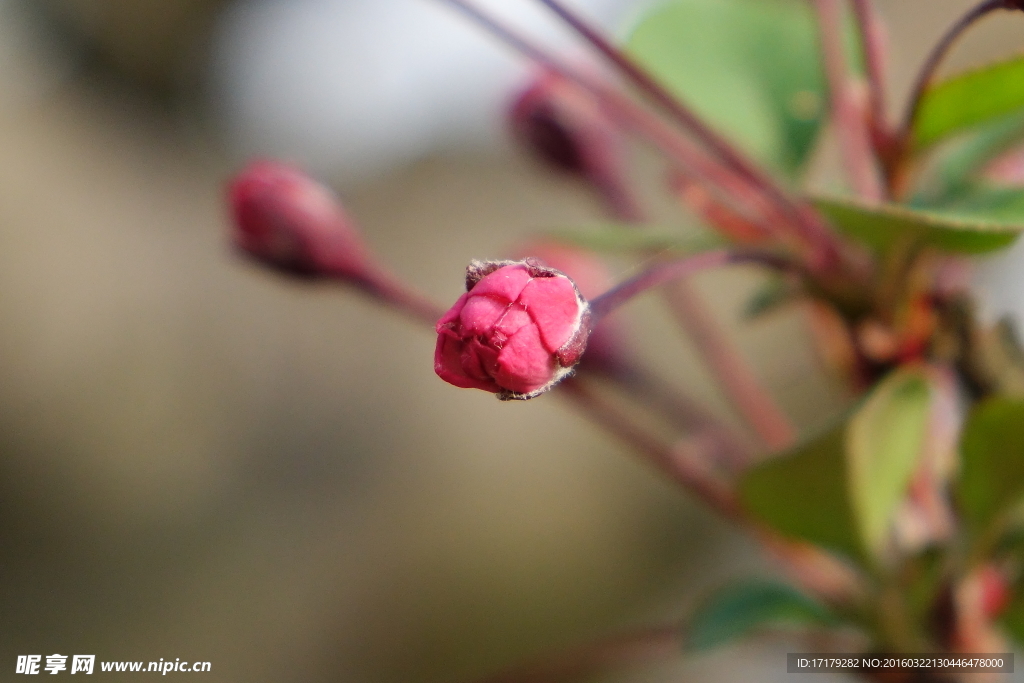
(995, 591)
(567, 129)
(519, 329)
(289, 221)
(979, 599)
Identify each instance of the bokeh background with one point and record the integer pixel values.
(199, 460)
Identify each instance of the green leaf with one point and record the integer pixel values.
(956, 166)
(992, 448)
(737, 610)
(803, 494)
(969, 99)
(977, 225)
(840, 490)
(751, 67)
(884, 441)
(1003, 205)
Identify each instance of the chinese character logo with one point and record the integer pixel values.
(82, 664)
(28, 664)
(55, 663)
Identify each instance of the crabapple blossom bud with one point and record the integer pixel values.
(289, 221)
(564, 127)
(519, 329)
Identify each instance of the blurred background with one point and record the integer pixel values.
(199, 460)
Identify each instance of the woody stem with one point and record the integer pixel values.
(665, 272)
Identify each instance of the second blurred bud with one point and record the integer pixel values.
(566, 128)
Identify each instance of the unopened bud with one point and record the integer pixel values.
(519, 329)
(289, 221)
(566, 128)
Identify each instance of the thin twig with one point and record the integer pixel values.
(391, 291)
(809, 224)
(649, 389)
(666, 271)
(738, 379)
(815, 570)
(848, 112)
(727, 184)
(875, 48)
(728, 221)
(653, 450)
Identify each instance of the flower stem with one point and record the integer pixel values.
(810, 225)
(724, 181)
(823, 248)
(729, 187)
(675, 465)
(728, 221)
(813, 569)
(391, 291)
(848, 112)
(649, 389)
(664, 272)
(874, 43)
(738, 379)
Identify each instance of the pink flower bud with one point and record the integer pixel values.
(519, 329)
(289, 221)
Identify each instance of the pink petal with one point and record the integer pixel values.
(552, 304)
(524, 365)
(448, 365)
(453, 313)
(514, 319)
(505, 283)
(481, 313)
(587, 271)
(479, 361)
